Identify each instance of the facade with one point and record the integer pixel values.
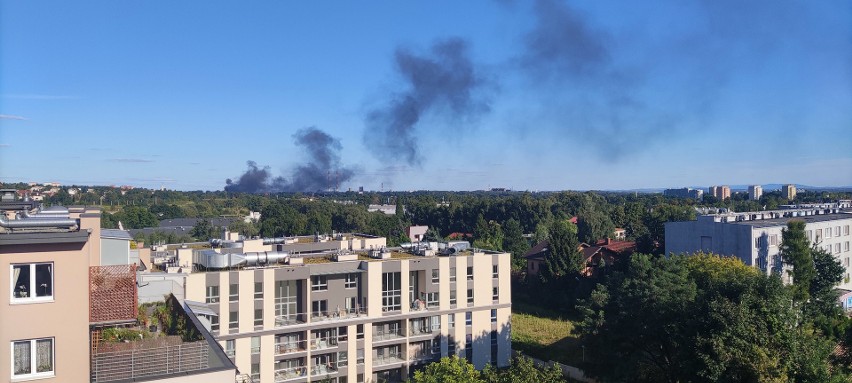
(720, 192)
(755, 237)
(417, 233)
(44, 321)
(353, 311)
(115, 248)
(684, 193)
(755, 192)
(789, 191)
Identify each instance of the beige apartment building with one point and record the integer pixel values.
(44, 321)
(348, 309)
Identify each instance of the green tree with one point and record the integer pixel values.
(563, 257)
(593, 225)
(523, 370)
(449, 369)
(202, 231)
(796, 251)
(247, 229)
(515, 243)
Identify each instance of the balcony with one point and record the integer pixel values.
(324, 369)
(145, 359)
(290, 319)
(290, 373)
(381, 360)
(323, 343)
(290, 347)
(418, 331)
(342, 314)
(421, 357)
(380, 335)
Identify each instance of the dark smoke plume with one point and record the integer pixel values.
(443, 82)
(596, 99)
(322, 172)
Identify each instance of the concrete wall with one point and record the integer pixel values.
(115, 251)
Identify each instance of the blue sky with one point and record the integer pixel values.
(533, 95)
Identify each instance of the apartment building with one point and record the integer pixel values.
(44, 323)
(755, 237)
(61, 300)
(789, 191)
(720, 192)
(348, 309)
(755, 192)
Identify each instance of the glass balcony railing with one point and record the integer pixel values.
(379, 335)
(290, 373)
(341, 314)
(323, 343)
(324, 369)
(286, 347)
(394, 357)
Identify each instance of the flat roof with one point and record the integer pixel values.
(32, 238)
(116, 234)
(783, 221)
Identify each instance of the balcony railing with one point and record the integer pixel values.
(290, 347)
(149, 361)
(379, 335)
(424, 356)
(342, 314)
(231, 353)
(290, 373)
(422, 331)
(324, 369)
(289, 319)
(394, 357)
(323, 343)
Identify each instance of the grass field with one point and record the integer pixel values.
(543, 334)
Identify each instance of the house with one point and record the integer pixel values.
(608, 250)
(417, 232)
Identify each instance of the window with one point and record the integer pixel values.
(468, 348)
(255, 345)
(846, 230)
(234, 292)
(468, 318)
(469, 297)
(494, 272)
(391, 292)
(452, 274)
(212, 294)
(837, 248)
(436, 276)
(493, 316)
(432, 299)
(810, 234)
(451, 346)
(435, 323)
(234, 319)
(258, 317)
(495, 294)
(342, 359)
(351, 281)
(757, 243)
(470, 273)
(837, 231)
(214, 323)
(773, 240)
(360, 358)
(230, 347)
(255, 372)
(359, 330)
(342, 334)
(828, 232)
(818, 236)
(846, 246)
(32, 282)
(453, 299)
(319, 283)
(319, 308)
(436, 346)
(494, 347)
(258, 290)
(451, 321)
(32, 358)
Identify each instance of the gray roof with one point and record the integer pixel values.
(783, 221)
(116, 234)
(190, 222)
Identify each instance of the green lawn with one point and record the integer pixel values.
(541, 334)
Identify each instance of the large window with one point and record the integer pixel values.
(286, 300)
(452, 274)
(32, 358)
(469, 297)
(495, 271)
(391, 292)
(432, 300)
(470, 273)
(468, 318)
(436, 276)
(351, 281)
(234, 292)
(258, 290)
(453, 299)
(319, 283)
(32, 282)
(212, 294)
(234, 320)
(258, 317)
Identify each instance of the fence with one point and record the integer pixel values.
(112, 293)
(149, 361)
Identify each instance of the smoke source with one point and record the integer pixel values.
(322, 171)
(442, 82)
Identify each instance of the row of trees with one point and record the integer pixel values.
(458, 370)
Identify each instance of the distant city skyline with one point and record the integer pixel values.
(543, 95)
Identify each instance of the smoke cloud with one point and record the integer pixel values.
(596, 98)
(443, 82)
(322, 171)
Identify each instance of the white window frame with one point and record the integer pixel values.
(495, 271)
(34, 374)
(319, 283)
(436, 276)
(32, 287)
(452, 274)
(208, 298)
(351, 281)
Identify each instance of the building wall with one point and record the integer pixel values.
(115, 251)
(66, 318)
